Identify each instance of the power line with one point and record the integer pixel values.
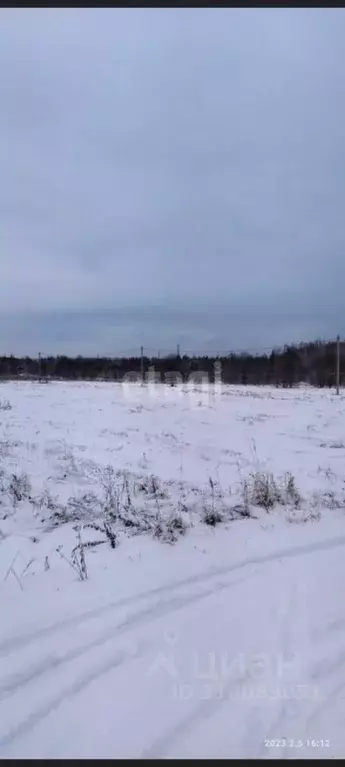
(138, 352)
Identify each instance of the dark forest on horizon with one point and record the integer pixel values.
(313, 363)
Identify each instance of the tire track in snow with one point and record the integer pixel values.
(286, 708)
(161, 745)
(48, 707)
(11, 644)
(18, 681)
(204, 710)
(321, 668)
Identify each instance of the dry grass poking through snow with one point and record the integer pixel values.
(86, 455)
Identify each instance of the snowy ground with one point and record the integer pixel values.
(186, 639)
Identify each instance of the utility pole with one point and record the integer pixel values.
(178, 350)
(142, 364)
(39, 366)
(338, 363)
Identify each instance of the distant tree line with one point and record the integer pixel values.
(313, 363)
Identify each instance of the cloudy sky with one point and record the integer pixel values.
(171, 176)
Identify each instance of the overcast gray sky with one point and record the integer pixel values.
(171, 176)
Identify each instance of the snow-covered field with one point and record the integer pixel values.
(187, 639)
